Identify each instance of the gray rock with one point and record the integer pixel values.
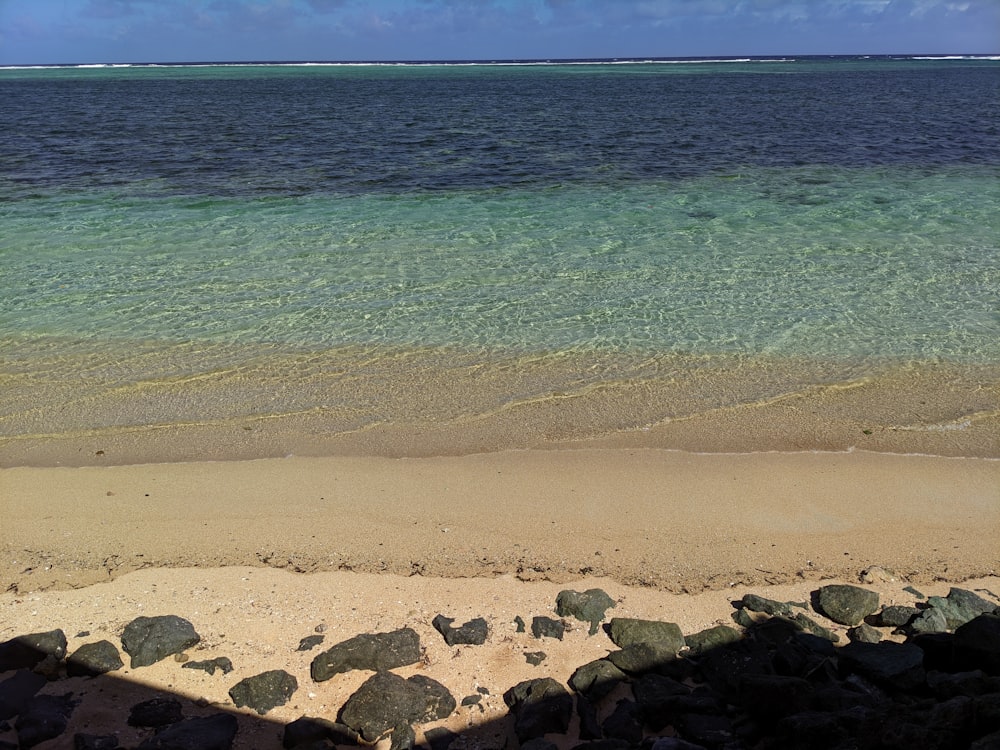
(546, 627)
(17, 691)
(45, 718)
(960, 606)
(307, 729)
(373, 651)
(847, 605)
(26, 651)
(156, 712)
(210, 665)
(149, 639)
(640, 658)
(897, 616)
(92, 659)
(386, 701)
(625, 631)
(540, 707)
(264, 691)
(596, 679)
(711, 638)
(587, 606)
(931, 620)
(865, 633)
(215, 732)
(472, 633)
(897, 665)
(310, 642)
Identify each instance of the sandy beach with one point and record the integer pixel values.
(260, 554)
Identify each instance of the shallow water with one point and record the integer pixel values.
(351, 250)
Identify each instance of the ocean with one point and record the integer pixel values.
(263, 259)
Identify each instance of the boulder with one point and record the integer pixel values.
(472, 633)
(17, 691)
(149, 639)
(215, 732)
(92, 659)
(44, 718)
(26, 651)
(711, 638)
(596, 679)
(587, 606)
(624, 631)
(386, 701)
(960, 606)
(539, 706)
(264, 691)
(896, 665)
(640, 658)
(156, 712)
(847, 605)
(897, 616)
(372, 651)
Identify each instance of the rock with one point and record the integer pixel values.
(712, 730)
(44, 718)
(896, 665)
(847, 605)
(534, 658)
(215, 732)
(977, 643)
(658, 697)
(156, 712)
(931, 620)
(374, 651)
(674, 743)
(472, 633)
(897, 616)
(402, 738)
(710, 638)
(538, 743)
(27, 651)
(547, 627)
(770, 697)
(596, 679)
(960, 606)
(308, 729)
(210, 665)
(264, 691)
(624, 723)
(865, 633)
(756, 603)
(587, 606)
(440, 738)
(310, 642)
(586, 711)
(92, 659)
(519, 624)
(624, 631)
(149, 639)
(539, 706)
(386, 701)
(17, 691)
(640, 658)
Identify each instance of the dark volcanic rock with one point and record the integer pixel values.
(310, 642)
(156, 712)
(95, 742)
(756, 603)
(307, 729)
(865, 633)
(26, 651)
(534, 658)
(149, 639)
(847, 605)
(440, 738)
(711, 638)
(897, 616)
(372, 651)
(403, 738)
(45, 717)
(472, 633)
(770, 697)
(596, 679)
(960, 606)
(588, 606)
(92, 659)
(386, 701)
(625, 631)
(639, 658)
(977, 644)
(264, 691)
(624, 723)
(547, 627)
(931, 620)
(896, 665)
(17, 691)
(210, 665)
(539, 707)
(215, 732)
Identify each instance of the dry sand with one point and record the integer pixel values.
(371, 544)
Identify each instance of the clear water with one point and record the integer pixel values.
(836, 209)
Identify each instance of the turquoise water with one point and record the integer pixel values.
(827, 262)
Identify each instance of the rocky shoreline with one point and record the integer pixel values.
(840, 670)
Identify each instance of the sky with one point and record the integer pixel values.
(119, 31)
